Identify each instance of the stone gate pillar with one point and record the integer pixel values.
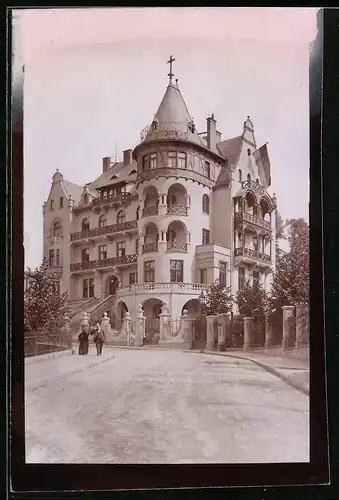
(268, 334)
(248, 328)
(287, 313)
(210, 343)
(188, 329)
(164, 317)
(139, 327)
(84, 320)
(223, 329)
(302, 325)
(127, 328)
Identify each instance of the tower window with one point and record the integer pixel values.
(205, 204)
(61, 204)
(207, 169)
(172, 159)
(182, 160)
(249, 152)
(248, 177)
(153, 160)
(145, 163)
(51, 205)
(240, 175)
(85, 199)
(57, 229)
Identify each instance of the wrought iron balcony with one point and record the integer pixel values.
(150, 247)
(176, 210)
(99, 231)
(149, 211)
(114, 198)
(176, 246)
(111, 261)
(252, 254)
(253, 219)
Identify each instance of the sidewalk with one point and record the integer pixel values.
(294, 372)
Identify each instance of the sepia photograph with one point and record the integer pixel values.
(166, 234)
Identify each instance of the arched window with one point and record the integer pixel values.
(121, 217)
(51, 205)
(138, 213)
(85, 199)
(257, 181)
(240, 175)
(102, 220)
(205, 204)
(249, 152)
(61, 204)
(57, 229)
(248, 177)
(85, 225)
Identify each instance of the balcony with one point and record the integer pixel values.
(176, 246)
(100, 231)
(114, 199)
(176, 210)
(110, 262)
(150, 211)
(150, 247)
(241, 217)
(252, 256)
(140, 288)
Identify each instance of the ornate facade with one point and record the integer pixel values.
(181, 210)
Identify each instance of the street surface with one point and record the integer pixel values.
(161, 406)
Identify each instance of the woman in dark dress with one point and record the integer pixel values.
(83, 341)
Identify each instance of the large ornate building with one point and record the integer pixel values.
(181, 210)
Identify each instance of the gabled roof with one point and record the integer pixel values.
(231, 149)
(172, 119)
(120, 170)
(73, 190)
(224, 177)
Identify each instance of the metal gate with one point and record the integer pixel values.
(199, 333)
(152, 331)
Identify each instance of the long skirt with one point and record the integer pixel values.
(83, 347)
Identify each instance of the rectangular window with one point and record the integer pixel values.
(153, 160)
(203, 276)
(222, 273)
(241, 278)
(149, 271)
(51, 258)
(176, 271)
(58, 257)
(102, 252)
(256, 278)
(182, 160)
(145, 163)
(121, 249)
(207, 169)
(85, 289)
(85, 255)
(205, 236)
(91, 287)
(61, 202)
(133, 278)
(172, 159)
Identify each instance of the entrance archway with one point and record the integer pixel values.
(121, 311)
(112, 285)
(152, 310)
(193, 308)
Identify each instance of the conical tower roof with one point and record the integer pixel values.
(172, 120)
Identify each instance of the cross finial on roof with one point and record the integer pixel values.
(170, 62)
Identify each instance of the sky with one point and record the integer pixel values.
(94, 79)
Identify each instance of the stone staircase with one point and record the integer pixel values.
(94, 308)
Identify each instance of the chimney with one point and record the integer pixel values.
(106, 163)
(211, 133)
(218, 134)
(128, 157)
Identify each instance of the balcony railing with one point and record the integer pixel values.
(150, 247)
(172, 287)
(253, 254)
(254, 219)
(114, 198)
(253, 185)
(111, 261)
(149, 211)
(176, 210)
(99, 231)
(176, 246)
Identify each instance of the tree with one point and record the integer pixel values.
(253, 300)
(44, 306)
(279, 232)
(290, 284)
(216, 299)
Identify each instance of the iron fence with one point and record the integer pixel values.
(46, 343)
